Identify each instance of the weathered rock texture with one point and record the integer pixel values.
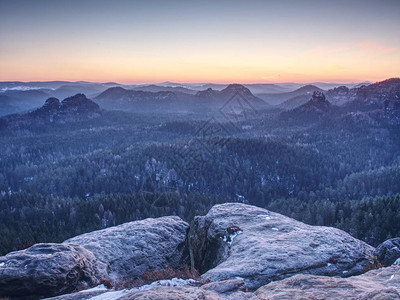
(116, 253)
(382, 284)
(238, 247)
(46, 269)
(388, 252)
(377, 284)
(126, 251)
(228, 290)
(238, 240)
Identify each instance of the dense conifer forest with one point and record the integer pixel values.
(58, 180)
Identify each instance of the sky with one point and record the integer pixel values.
(200, 41)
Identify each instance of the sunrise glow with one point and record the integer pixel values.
(236, 41)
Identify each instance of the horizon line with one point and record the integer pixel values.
(201, 83)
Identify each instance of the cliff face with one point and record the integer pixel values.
(238, 248)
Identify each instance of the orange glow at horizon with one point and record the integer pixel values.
(352, 64)
(210, 41)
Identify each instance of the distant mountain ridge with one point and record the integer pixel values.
(371, 105)
(137, 100)
(297, 97)
(158, 88)
(219, 97)
(17, 97)
(173, 99)
(380, 95)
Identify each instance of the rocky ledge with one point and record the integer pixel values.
(236, 240)
(242, 251)
(114, 254)
(376, 284)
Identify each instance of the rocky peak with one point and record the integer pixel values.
(341, 89)
(78, 103)
(208, 93)
(318, 97)
(341, 95)
(316, 105)
(49, 108)
(74, 108)
(52, 104)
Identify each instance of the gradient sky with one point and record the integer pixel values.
(200, 41)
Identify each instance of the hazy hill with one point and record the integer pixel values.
(157, 88)
(91, 90)
(293, 98)
(219, 98)
(20, 96)
(172, 99)
(14, 101)
(383, 94)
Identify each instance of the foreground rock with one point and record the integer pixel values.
(238, 247)
(377, 284)
(116, 254)
(46, 269)
(237, 240)
(388, 252)
(172, 289)
(124, 252)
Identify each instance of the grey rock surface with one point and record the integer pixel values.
(46, 269)
(117, 253)
(388, 252)
(126, 251)
(167, 293)
(383, 284)
(237, 240)
(82, 295)
(238, 247)
(228, 290)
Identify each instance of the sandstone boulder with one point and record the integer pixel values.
(228, 290)
(46, 269)
(377, 284)
(241, 241)
(126, 251)
(117, 253)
